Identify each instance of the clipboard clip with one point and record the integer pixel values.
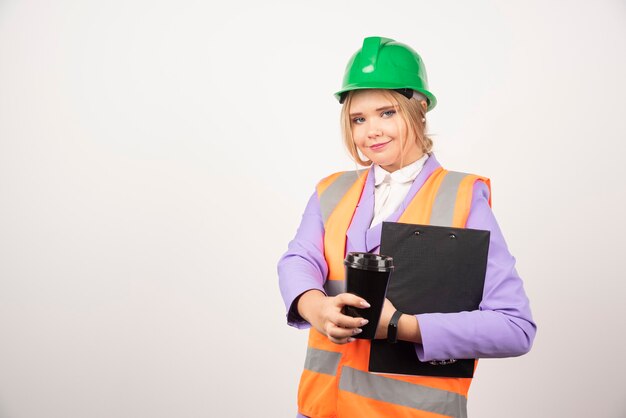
(452, 235)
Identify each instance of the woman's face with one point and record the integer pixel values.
(378, 130)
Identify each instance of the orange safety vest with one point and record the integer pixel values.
(335, 382)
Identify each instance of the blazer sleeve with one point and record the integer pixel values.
(303, 267)
(503, 324)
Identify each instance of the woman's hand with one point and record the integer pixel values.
(385, 317)
(324, 314)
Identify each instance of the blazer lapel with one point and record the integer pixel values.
(362, 217)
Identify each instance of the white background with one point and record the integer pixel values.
(155, 158)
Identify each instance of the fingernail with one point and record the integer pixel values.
(357, 331)
(365, 304)
(350, 339)
(364, 321)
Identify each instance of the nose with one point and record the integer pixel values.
(373, 131)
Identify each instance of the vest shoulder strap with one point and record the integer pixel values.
(454, 199)
(331, 189)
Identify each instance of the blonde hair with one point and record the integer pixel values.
(411, 112)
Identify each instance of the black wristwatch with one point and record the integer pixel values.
(392, 329)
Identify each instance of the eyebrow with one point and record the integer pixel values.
(377, 110)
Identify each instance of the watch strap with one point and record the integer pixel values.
(392, 329)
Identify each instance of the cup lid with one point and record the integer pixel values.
(369, 261)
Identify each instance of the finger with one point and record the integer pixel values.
(340, 341)
(352, 300)
(339, 333)
(346, 321)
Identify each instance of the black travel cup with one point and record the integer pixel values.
(367, 276)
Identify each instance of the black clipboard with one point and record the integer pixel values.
(436, 269)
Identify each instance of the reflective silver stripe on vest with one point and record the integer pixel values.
(397, 392)
(333, 193)
(443, 208)
(334, 287)
(322, 361)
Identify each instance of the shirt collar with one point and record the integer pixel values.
(404, 175)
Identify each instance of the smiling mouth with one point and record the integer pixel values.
(379, 145)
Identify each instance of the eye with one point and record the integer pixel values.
(358, 120)
(388, 113)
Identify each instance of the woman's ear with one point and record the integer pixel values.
(424, 105)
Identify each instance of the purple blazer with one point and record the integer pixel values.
(501, 327)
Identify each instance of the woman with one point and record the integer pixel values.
(385, 98)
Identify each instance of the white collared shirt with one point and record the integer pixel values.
(391, 188)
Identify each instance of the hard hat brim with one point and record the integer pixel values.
(432, 100)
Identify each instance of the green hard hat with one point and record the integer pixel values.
(383, 63)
